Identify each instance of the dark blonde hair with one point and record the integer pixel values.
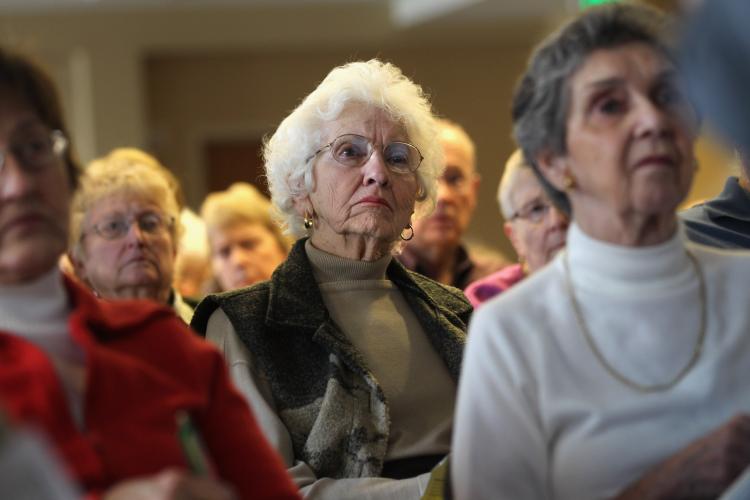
(125, 170)
(242, 203)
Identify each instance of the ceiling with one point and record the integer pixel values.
(403, 12)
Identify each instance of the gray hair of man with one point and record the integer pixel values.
(513, 167)
(447, 126)
(374, 83)
(542, 97)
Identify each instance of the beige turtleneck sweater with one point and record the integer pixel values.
(376, 318)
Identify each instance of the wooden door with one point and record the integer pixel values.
(234, 160)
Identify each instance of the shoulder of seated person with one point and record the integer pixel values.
(252, 299)
(124, 315)
(253, 293)
(445, 295)
(735, 259)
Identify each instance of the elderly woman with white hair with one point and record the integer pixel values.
(125, 228)
(534, 225)
(349, 360)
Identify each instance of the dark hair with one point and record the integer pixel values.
(542, 96)
(26, 80)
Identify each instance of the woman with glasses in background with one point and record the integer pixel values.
(349, 360)
(534, 225)
(106, 383)
(245, 243)
(125, 228)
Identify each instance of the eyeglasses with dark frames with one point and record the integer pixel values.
(352, 150)
(35, 151)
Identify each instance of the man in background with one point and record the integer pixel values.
(436, 250)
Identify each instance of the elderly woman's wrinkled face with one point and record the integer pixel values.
(537, 229)
(630, 133)
(373, 200)
(128, 248)
(244, 253)
(34, 195)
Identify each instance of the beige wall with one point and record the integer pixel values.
(170, 80)
(199, 97)
(193, 98)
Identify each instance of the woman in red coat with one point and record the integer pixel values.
(106, 383)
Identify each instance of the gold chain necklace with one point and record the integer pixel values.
(611, 369)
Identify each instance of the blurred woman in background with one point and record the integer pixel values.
(534, 225)
(125, 228)
(246, 243)
(192, 269)
(108, 383)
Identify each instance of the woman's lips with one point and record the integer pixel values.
(656, 161)
(23, 221)
(140, 260)
(374, 200)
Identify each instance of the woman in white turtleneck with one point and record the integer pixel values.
(620, 369)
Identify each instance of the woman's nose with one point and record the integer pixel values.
(653, 120)
(375, 170)
(238, 257)
(15, 181)
(135, 233)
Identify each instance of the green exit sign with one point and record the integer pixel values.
(584, 4)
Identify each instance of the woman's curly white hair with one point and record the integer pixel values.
(374, 83)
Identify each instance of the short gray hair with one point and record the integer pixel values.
(374, 83)
(542, 97)
(447, 126)
(515, 165)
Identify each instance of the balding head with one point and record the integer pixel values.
(457, 192)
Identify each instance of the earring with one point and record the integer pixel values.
(308, 218)
(569, 182)
(411, 234)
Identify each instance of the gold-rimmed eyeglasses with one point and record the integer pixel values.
(534, 212)
(352, 150)
(117, 226)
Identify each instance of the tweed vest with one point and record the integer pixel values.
(323, 392)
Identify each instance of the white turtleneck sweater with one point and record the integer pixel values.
(538, 415)
(38, 311)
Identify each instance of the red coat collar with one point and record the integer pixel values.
(107, 319)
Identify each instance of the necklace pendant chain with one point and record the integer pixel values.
(603, 360)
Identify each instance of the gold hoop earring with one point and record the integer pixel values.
(308, 218)
(569, 182)
(411, 234)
